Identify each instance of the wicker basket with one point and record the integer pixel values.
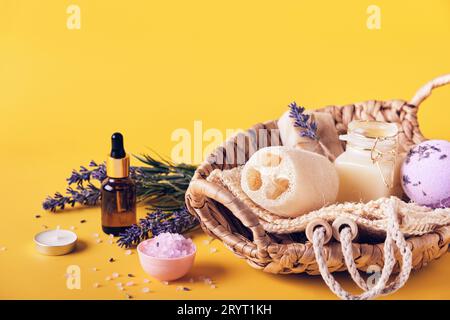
(225, 217)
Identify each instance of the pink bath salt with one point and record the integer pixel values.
(169, 245)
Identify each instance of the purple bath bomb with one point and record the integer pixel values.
(426, 174)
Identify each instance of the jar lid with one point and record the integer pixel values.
(55, 242)
(372, 129)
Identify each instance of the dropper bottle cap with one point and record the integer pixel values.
(118, 162)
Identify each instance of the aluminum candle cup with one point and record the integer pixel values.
(55, 242)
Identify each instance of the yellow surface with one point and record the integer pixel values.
(147, 68)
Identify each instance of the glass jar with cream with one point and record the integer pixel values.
(368, 169)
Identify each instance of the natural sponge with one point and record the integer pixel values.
(289, 182)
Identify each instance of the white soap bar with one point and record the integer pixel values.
(289, 182)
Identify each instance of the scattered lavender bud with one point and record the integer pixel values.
(128, 296)
(37, 216)
(130, 275)
(83, 221)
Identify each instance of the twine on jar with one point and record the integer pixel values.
(376, 155)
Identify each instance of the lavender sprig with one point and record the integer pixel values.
(303, 121)
(160, 184)
(97, 172)
(57, 201)
(156, 222)
(85, 193)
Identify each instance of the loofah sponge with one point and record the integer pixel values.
(289, 182)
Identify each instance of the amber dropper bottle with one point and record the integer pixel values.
(118, 190)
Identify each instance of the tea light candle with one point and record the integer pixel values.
(55, 242)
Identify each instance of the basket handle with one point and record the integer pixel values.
(393, 236)
(426, 90)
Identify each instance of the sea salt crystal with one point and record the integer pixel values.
(72, 228)
(130, 283)
(146, 281)
(145, 290)
(119, 284)
(98, 240)
(94, 269)
(213, 250)
(206, 242)
(108, 278)
(2, 248)
(111, 236)
(166, 283)
(120, 288)
(96, 285)
(213, 286)
(128, 252)
(110, 241)
(169, 245)
(115, 275)
(95, 235)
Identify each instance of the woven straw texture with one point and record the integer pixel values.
(280, 246)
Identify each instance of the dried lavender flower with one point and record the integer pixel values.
(58, 201)
(178, 221)
(161, 184)
(303, 121)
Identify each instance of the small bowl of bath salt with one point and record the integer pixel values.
(167, 257)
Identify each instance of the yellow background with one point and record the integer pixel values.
(147, 68)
